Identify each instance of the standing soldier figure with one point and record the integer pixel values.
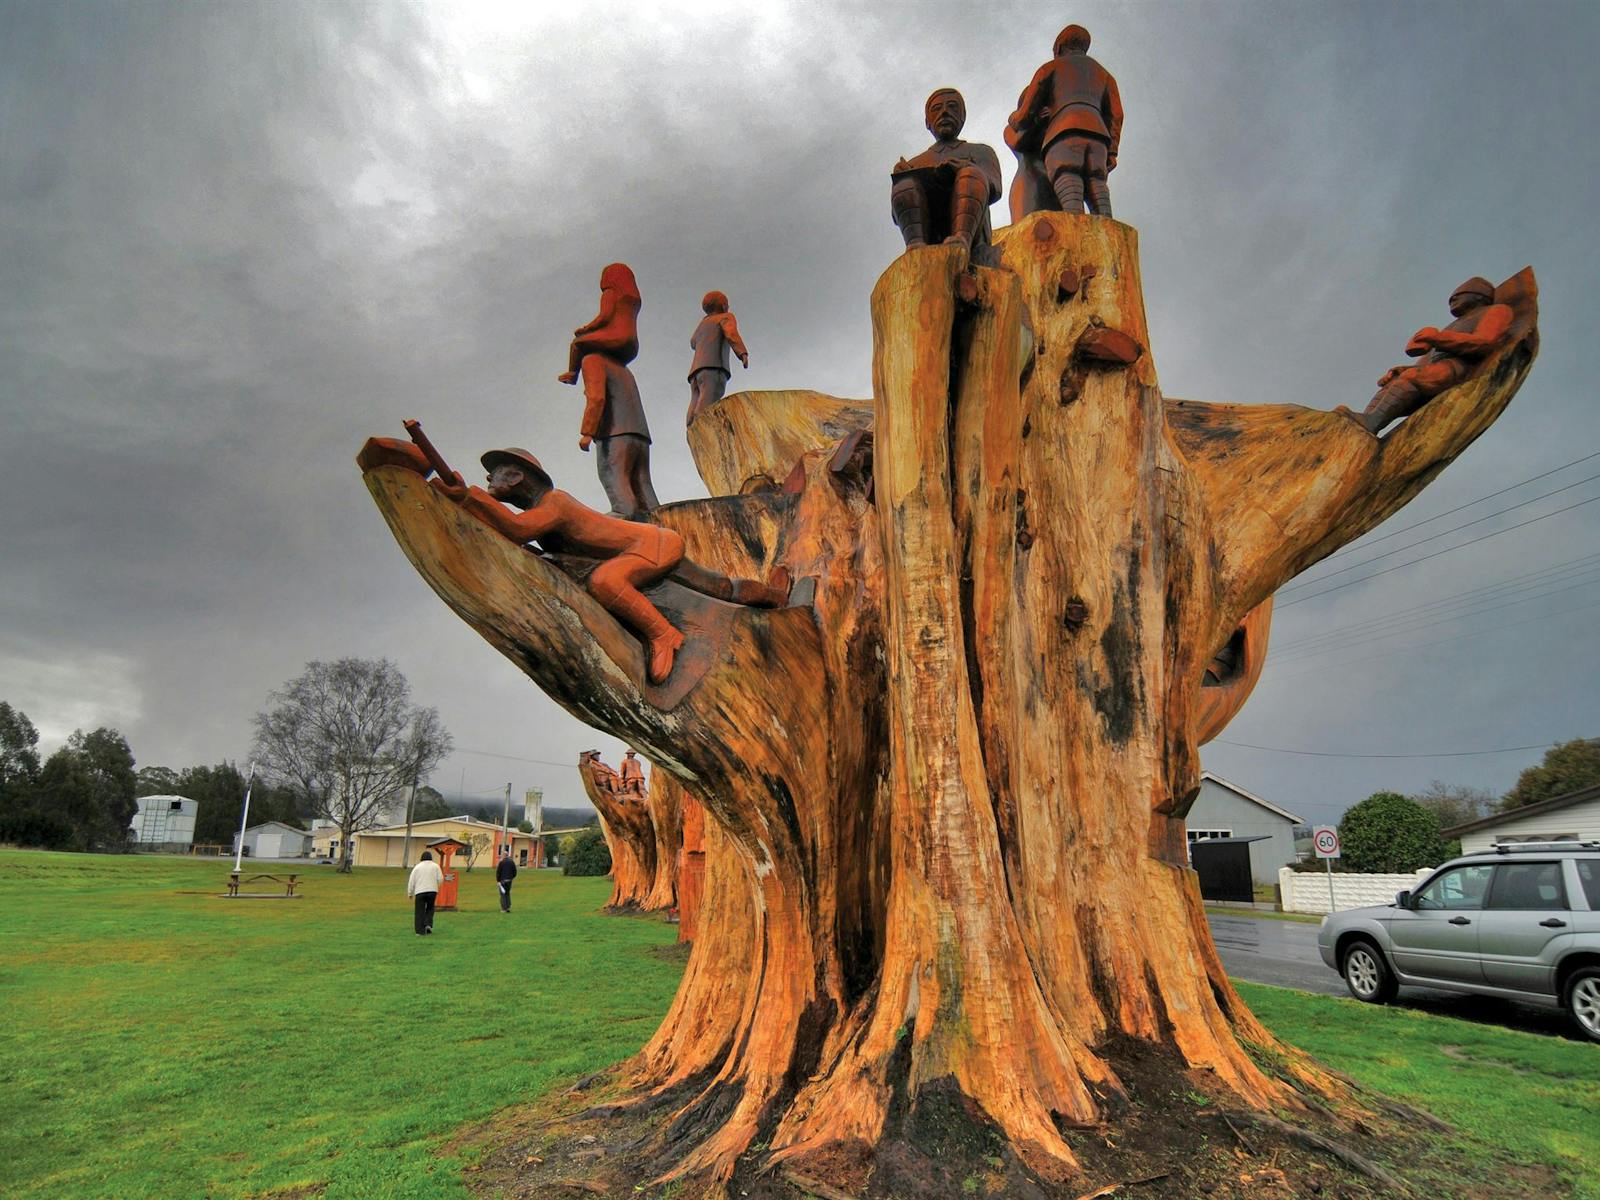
(1070, 115)
(711, 341)
(632, 775)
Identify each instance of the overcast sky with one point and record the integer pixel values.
(235, 239)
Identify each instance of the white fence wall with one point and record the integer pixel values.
(1306, 892)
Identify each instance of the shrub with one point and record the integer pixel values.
(587, 855)
(1390, 834)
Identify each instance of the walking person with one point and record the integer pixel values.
(504, 872)
(423, 887)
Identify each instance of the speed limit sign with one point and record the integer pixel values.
(1326, 840)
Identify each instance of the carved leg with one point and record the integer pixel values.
(636, 457)
(612, 464)
(908, 200)
(773, 593)
(614, 584)
(967, 206)
(1100, 197)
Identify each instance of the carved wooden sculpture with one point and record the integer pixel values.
(711, 341)
(944, 193)
(630, 837)
(664, 802)
(953, 788)
(1065, 133)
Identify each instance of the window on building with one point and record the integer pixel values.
(1206, 835)
(1510, 839)
(176, 806)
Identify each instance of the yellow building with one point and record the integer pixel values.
(385, 846)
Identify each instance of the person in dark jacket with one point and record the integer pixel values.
(504, 872)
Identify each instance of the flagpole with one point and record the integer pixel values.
(244, 820)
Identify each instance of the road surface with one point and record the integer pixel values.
(1284, 953)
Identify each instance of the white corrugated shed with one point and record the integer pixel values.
(164, 820)
(1573, 817)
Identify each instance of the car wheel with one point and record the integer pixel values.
(1583, 1002)
(1366, 974)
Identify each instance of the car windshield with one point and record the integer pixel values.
(1459, 887)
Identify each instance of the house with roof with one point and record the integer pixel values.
(1574, 817)
(1225, 810)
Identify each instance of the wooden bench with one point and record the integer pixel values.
(289, 882)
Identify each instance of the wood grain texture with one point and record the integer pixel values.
(944, 796)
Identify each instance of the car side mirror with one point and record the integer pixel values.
(1402, 900)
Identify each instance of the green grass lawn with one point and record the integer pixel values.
(161, 1043)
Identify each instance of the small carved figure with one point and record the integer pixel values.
(1065, 133)
(633, 555)
(711, 341)
(1448, 356)
(632, 775)
(605, 776)
(944, 193)
(613, 413)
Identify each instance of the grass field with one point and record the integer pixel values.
(164, 1044)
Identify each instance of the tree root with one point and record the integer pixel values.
(1315, 1141)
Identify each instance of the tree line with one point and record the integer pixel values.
(336, 742)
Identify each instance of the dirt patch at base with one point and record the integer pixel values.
(1172, 1138)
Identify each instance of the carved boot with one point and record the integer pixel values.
(1100, 197)
(661, 641)
(1068, 186)
(1392, 403)
(774, 593)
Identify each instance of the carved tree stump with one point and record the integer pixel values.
(630, 836)
(951, 790)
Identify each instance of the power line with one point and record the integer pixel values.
(1441, 641)
(1461, 546)
(543, 762)
(1433, 537)
(1356, 637)
(1580, 565)
(1458, 508)
(1332, 754)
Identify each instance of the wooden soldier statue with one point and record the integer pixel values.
(1448, 356)
(613, 413)
(944, 193)
(716, 334)
(632, 776)
(1065, 132)
(633, 554)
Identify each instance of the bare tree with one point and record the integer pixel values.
(346, 736)
(1455, 803)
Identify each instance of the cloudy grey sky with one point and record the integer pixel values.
(235, 239)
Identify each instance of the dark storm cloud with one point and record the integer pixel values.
(236, 239)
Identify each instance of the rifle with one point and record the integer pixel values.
(431, 453)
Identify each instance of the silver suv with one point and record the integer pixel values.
(1520, 921)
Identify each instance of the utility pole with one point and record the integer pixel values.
(244, 820)
(505, 822)
(411, 808)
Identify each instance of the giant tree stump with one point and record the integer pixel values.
(952, 787)
(630, 836)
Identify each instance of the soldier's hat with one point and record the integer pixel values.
(515, 456)
(1477, 285)
(1072, 35)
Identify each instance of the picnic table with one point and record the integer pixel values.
(288, 881)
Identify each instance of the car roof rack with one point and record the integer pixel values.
(1541, 847)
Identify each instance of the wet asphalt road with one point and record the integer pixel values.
(1284, 953)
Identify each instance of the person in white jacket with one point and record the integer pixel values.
(423, 886)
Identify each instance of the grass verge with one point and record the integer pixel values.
(164, 1044)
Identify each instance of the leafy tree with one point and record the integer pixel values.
(344, 737)
(1455, 804)
(157, 781)
(83, 798)
(524, 826)
(220, 792)
(19, 752)
(430, 805)
(585, 853)
(1389, 833)
(552, 851)
(1567, 767)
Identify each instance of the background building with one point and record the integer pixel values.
(274, 839)
(1574, 817)
(165, 823)
(1226, 810)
